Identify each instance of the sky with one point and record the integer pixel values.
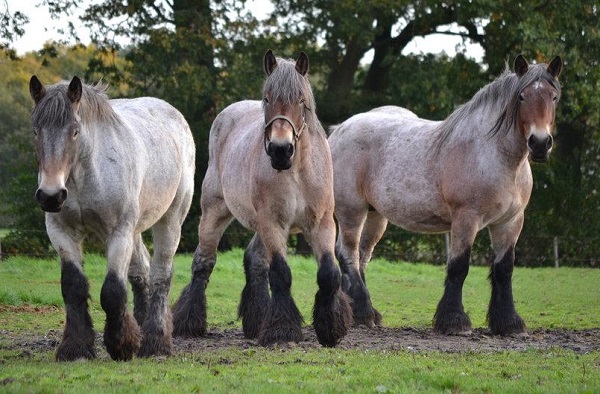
(42, 28)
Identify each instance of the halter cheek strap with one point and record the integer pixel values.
(295, 131)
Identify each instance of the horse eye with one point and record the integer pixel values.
(266, 100)
(555, 98)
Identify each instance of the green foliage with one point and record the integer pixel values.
(201, 56)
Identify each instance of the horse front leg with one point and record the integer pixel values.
(450, 317)
(78, 335)
(121, 331)
(255, 297)
(282, 319)
(502, 316)
(332, 313)
(189, 312)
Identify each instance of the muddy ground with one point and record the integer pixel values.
(381, 338)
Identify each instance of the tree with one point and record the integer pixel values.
(349, 29)
(11, 28)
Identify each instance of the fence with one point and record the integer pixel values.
(396, 245)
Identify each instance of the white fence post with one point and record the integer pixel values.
(555, 244)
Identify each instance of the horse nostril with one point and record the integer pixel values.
(62, 195)
(290, 150)
(39, 196)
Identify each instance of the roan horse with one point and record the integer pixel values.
(462, 174)
(112, 169)
(270, 168)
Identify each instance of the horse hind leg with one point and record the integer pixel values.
(139, 271)
(189, 311)
(502, 316)
(450, 317)
(373, 230)
(347, 253)
(255, 297)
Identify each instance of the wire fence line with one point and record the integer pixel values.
(531, 251)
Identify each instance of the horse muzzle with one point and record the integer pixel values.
(281, 155)
(51, 201)
(539, 148)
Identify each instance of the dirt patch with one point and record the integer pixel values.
(42, 310)
(380, 339)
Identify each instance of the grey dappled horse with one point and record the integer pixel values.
(270, 168)
(462, 174)
(113, 168)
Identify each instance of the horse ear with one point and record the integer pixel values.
(302, 64)
(74, 92)
(269, 62)
(36, 89)
(555, 67)
(521, 65)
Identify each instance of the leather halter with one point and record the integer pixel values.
(295, 131)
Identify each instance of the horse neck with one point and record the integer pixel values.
(312, 144)
(507, 146)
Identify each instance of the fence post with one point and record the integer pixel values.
(555, 244)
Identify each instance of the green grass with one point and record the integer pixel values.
(259, 370)
(406, 294)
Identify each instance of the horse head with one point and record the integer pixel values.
(56, 128)
(537, 106)
(285, 106)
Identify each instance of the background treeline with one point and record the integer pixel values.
(202, 55)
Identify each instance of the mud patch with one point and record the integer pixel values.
(359, 338)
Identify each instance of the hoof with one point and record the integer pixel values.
(511, 326)
(189, 314)
(156, 346)
(122, 339)
(280, 334)
(332, 318)
(75, 351)
(454, 323)
(370, 320)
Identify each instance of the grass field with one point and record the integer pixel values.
(406, 295)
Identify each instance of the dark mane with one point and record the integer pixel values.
(501, 97)
(286, 85)
(54, 109)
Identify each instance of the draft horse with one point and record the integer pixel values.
(112, 169)
(460, 175)
(270, 168)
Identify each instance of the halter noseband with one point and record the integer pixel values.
(295, 131)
